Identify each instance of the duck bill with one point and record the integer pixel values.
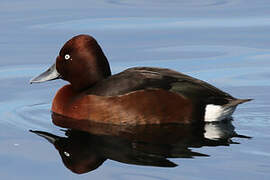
(48, 75)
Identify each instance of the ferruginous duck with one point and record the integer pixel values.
(139, 95)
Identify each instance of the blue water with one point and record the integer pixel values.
(225, 43)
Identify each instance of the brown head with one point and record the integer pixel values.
(81, 61)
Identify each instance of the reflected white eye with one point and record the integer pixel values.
(67, 57)
(66, 154)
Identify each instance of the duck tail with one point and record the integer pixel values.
(236, 102)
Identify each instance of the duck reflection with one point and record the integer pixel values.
(150, 145)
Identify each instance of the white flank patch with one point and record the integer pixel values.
(217, 113)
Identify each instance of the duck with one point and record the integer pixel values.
(135, 96)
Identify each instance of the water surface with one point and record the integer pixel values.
(225, 43)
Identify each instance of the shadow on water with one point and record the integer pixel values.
(148, 145)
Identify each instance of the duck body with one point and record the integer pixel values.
(140, 95)
(146, 95)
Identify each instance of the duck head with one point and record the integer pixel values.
(81, 62)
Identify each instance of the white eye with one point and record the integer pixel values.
(67, 57)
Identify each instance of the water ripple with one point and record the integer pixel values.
(19, 114)
(138, 176)
(162, 3)
(135, 23)
(21, 106)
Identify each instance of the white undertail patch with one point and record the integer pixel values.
(217, 112)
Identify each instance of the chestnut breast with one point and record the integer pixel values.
(149, 106)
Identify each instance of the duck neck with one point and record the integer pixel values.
(94, 75)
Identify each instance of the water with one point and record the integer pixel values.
(225, 43)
